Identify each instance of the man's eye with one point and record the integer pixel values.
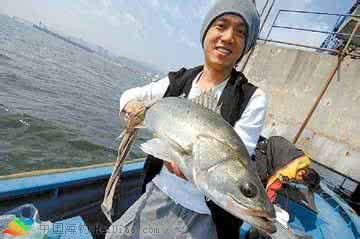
(241, 32)
(220, 26)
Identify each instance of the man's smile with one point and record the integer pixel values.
(223, 50)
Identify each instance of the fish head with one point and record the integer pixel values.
(227, 177)
(248, 199)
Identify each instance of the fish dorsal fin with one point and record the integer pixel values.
(209, 101)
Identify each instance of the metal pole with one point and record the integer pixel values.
(261, 28)
(306, 46)
(263, 10)
(331, 76)
(352, 35)
(301, 45)
(267, 16)
(276, 17)
(303, 125)
(319, 13)
(311, 30)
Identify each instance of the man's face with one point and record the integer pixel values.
(224, 42)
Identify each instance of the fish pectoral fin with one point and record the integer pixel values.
(157, 148)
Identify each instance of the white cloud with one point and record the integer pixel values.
(107, 3)
(85, 3)
(189, 43)
(114, 20)
(154, 3)
(132, 20)
(170, 30)
(174, 11)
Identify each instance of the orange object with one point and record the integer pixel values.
(272, 189)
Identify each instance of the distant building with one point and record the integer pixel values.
(345, 25)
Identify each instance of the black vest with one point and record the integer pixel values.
(234, 99)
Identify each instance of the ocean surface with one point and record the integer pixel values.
(58, 103)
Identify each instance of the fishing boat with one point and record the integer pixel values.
(62, 197)
(72, 197)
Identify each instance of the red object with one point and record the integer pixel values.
(272, 189)
(12, 232)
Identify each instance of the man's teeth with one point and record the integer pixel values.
(223, 50)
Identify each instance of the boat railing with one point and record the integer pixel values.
(331, 35)
(268, 10)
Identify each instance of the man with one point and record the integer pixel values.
(172, 207)
(279, 162)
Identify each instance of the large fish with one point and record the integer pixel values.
(209, 153)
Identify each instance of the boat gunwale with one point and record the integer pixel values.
(13, 187)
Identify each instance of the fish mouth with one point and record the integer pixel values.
(260, 219)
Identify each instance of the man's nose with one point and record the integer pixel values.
(228, 35)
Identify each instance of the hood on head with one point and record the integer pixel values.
(243, 8)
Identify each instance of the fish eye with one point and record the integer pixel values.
(248, 189)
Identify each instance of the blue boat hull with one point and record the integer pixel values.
(65, 195)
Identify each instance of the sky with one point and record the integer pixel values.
(164, 33)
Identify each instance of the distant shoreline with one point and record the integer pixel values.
(43, 29)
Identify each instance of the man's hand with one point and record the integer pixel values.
(173, 168)
(131, 108)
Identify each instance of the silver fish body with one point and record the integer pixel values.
(211, 154)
